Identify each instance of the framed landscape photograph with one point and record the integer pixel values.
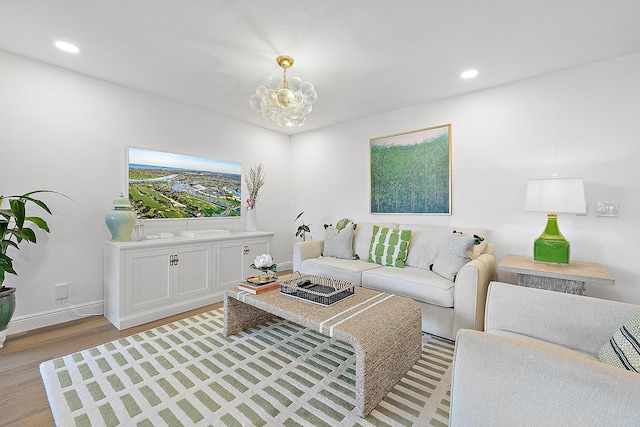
(170, 185)
(410, 172)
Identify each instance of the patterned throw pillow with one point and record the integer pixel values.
(623, 349)
(454, 253)
(338, 243)
(389, 246)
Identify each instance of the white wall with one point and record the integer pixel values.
(581, 122)
(67, 132)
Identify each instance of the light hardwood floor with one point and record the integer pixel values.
(23, 401)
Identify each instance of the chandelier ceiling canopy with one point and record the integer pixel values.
(286, 102)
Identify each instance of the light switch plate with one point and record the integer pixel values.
(609, 209)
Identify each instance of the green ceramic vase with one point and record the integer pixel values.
(120, 220)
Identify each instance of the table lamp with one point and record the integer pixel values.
(556, 195)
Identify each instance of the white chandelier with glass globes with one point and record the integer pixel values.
(286, 102)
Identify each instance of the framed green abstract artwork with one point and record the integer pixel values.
(410, 172)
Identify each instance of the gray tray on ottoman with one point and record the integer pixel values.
(321, 290)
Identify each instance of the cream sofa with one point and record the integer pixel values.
(447, 305)
(537, 363)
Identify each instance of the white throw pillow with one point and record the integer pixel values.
(454, 253)
(478, 248)
(338, 244)
(425, 244)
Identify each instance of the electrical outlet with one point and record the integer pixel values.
(62, 291)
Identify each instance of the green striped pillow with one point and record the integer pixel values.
(389, 246)
(623, 349)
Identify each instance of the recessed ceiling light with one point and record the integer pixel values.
(67, 47)
(469, 74)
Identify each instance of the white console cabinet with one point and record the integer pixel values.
(152, 279)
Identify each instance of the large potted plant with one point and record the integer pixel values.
(15, 228)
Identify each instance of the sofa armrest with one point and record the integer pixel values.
(490, 249)
(470, 292)
(500, 382)
(305, 250)
(578, 322)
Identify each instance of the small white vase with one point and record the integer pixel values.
(252, 220)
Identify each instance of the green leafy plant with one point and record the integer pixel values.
(16, 227)
(302, 229)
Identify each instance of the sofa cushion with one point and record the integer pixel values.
(479, 248)
(453, 255)
(623, 349)
(424, 244)
(426, 241)
(349, 270)
(416, 283)
(338, 243)
(480, 243)
(362, 238)
(389, 246)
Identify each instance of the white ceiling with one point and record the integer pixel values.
(363, 56)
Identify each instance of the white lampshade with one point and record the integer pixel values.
(558, 195)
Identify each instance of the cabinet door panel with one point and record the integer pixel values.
(235, 259)
(190, 276)
(229, 264)
(248, 258)
(147, 280)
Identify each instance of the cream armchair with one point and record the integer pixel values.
(537, 363)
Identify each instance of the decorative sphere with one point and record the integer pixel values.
(286, 98)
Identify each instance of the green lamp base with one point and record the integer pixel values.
(551, 246)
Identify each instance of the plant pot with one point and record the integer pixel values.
(7, 308)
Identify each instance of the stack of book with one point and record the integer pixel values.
(255, 288)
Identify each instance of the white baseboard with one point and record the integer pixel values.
(52, 317)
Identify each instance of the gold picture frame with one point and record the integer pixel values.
(410, 172)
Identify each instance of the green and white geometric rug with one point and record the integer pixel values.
(187, 373)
